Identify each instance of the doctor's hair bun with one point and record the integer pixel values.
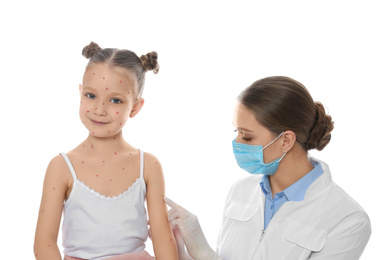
(320, 134)
(91, 50)
(281, 103)
(149, 62)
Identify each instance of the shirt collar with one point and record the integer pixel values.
(297, 191)
(265, 185)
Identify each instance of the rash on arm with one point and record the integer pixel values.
(164, 243)
(53, 195)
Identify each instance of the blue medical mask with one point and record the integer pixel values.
(251, 159)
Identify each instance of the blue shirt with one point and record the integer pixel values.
(296, 192)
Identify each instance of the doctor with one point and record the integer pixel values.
(289, 207)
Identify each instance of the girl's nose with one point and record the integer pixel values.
(100, 110)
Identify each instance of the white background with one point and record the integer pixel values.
(209, 51)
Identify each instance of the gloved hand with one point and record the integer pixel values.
(182, 252)
(190, 232)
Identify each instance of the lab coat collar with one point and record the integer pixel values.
(322, 182)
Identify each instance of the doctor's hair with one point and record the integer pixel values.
(280, 103)
(136, 66)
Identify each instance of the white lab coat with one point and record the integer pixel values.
(327, 224)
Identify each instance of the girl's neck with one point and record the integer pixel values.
(111, 144)
(293, 167)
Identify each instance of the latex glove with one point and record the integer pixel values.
(191, 232)
(182, 252)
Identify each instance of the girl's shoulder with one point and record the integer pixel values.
(152, 167)
(58, 172)
(58, 164)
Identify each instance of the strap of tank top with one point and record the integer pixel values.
(69, 165)
(141, 155)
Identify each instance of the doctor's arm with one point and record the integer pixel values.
(187, 227)
(347, 240)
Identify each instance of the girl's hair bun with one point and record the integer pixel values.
(91, 50)
(320, 133)
(149, 62)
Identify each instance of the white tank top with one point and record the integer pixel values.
(96, 227)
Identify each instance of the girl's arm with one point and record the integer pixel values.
(164, 244)
(54, 192)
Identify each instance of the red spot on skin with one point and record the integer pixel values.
(82, 161)
(120, 124)
(87, 111)
(103, 104)
(110, 179)
(128, 92)
(108, 131)
(130, 154)
(83, 145)
(92, 146)
(103, 161)
(41, 210)
(49, 245)
(93, 73)
(104, 78)
(123, 168)
(117, 112)
(106, 88)
(97, 175)
(114, 138)
(120, 81)
(54, 188)
(93, 133)
(95, 108)
(156, 162)
(115, 153)
(171, 239)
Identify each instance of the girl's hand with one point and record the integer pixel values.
(189, 231)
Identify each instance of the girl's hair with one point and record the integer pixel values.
(126, 59)
(281, 103)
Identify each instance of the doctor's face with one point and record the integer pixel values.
(250, 131)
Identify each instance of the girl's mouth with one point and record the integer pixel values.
(97, 123)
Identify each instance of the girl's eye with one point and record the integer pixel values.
(116, 101)
(91, 96)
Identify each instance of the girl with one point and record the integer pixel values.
(101, 185)
(289, 208)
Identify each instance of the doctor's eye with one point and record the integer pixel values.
(247, 139)
(91, 96)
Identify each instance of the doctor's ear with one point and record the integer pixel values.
(289, 138)
(136, 107)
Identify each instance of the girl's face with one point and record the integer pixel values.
(249, 131)
(107, 100)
